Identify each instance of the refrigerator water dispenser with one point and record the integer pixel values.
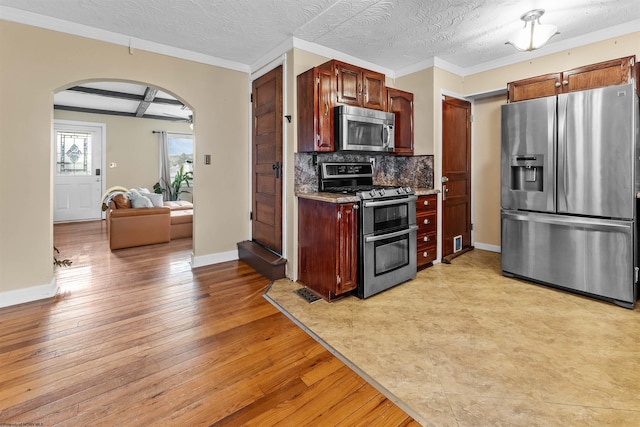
(527, 172)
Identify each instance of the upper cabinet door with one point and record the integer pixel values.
(373, 90)
(349, 84)
(608, 73)
(535, 87)
(401, 103)
(357, 86)
(315, 110)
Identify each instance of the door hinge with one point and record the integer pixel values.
(471, 226)
(250, 215)
(338, 280)
(471, 118)
(251, 97)
(339, 215)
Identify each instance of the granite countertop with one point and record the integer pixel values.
(348, 198)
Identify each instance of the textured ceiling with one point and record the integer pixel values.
(393, 34)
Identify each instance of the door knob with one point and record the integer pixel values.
(276, 167)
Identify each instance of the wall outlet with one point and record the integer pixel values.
(207, 159)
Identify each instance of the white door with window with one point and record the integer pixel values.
(77, 183)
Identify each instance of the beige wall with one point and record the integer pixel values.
(35, 64)
(422, 86)
(131, 144)
(299, 61)
(485, 170)
(486, 126)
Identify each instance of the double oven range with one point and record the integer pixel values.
(386, 225)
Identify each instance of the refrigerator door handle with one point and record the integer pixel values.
(562, 153)
(586, 223)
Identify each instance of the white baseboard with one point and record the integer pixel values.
(201, 261)
(34, 293)
(485, 247)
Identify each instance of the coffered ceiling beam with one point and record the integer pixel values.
(149, 96)
(123, 95)
(119, 113)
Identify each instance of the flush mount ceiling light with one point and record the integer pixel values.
(533, 35)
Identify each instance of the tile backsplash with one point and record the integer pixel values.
(414, 171)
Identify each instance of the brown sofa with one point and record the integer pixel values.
(181, 219)
(129, 227)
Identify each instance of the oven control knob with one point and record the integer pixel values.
(400, 190)
(407, 189)
(372, 193)
(381, 192)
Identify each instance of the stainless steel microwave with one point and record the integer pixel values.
(363, 129)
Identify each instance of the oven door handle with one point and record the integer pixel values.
(390, 202)
(391, 235)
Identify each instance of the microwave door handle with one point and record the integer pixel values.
(387, 140)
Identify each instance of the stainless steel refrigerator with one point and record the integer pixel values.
(569, 179)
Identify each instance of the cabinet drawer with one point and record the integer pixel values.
(425, 239)
(427, 203)
(427, 222)
(426, 255)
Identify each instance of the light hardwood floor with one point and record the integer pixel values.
(136, 337)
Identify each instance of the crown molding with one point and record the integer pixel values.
(60, 25)
(341, 56)
(36, 20)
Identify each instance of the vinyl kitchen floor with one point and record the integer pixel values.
(461, 345)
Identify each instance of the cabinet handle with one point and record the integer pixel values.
(426, 239)
(565, 82)
(426, 222)
(356, 207)
(558, 84)
(426, 203)
(425, 254)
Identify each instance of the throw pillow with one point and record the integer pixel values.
(156, 199)
(121, 201)
(138, 200)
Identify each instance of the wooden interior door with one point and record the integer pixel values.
(267, 160)
(456, 173)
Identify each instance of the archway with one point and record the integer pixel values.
(133, 114)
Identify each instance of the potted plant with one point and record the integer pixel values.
(60, 262)
(175, 188)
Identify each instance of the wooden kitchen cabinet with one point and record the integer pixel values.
(535, 87)
(401, 103)
(316, 100)
(607, 73)
(427, 222)
(321, 88)
(327, 247)
(357, 86)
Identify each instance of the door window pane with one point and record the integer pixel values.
(73, 153)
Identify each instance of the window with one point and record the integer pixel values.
(180, 151)
(73, 153)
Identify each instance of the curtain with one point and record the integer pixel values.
(164, 169)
